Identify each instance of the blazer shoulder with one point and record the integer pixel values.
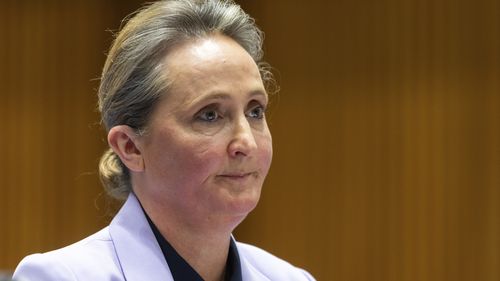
(93, 257)
(42, 267)
(271, 266)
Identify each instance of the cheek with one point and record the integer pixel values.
(177, 160)
(198, 159)
(265, 152)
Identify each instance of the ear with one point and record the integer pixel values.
(124, 142)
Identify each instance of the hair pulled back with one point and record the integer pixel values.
(133, 78)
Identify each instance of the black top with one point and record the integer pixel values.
(182, 271)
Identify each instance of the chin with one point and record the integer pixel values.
(239, 207)
(245, 206)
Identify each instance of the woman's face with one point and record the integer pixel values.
(208, 149)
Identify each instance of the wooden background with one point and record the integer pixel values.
(386, 134)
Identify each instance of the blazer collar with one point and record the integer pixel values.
(249, 271)
(138, 252)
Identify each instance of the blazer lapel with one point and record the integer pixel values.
(248, 271)
(138, 252)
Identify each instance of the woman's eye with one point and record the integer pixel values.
(257, 112)
(208, 116)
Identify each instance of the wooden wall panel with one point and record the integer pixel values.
(51, 54)
(386, 134)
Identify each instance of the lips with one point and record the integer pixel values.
(237, 176)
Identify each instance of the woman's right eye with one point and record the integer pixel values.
(209, 115)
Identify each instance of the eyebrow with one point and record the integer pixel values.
(225, 96)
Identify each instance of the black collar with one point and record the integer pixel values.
(182, 271)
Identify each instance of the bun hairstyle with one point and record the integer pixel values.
(134, 78)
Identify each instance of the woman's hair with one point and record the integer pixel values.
(133, 78)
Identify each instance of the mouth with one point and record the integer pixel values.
(237, 176)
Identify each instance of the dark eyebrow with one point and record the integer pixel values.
(225, 96)
(258, 93)
(210, 97)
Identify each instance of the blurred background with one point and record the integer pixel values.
(386, 134)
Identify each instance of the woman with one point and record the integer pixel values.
(182, 97)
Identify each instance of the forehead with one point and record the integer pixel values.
(208, 55)
(212, 64)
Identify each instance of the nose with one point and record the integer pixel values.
(243, 141)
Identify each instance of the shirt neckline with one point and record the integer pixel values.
(181, 270)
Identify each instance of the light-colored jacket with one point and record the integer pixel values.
(128, 250)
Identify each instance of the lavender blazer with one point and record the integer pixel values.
(127, 250)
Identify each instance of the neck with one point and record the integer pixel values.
(203, 245)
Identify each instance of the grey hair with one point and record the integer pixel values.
(133, 78)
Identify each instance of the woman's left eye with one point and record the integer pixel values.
(256, 112)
